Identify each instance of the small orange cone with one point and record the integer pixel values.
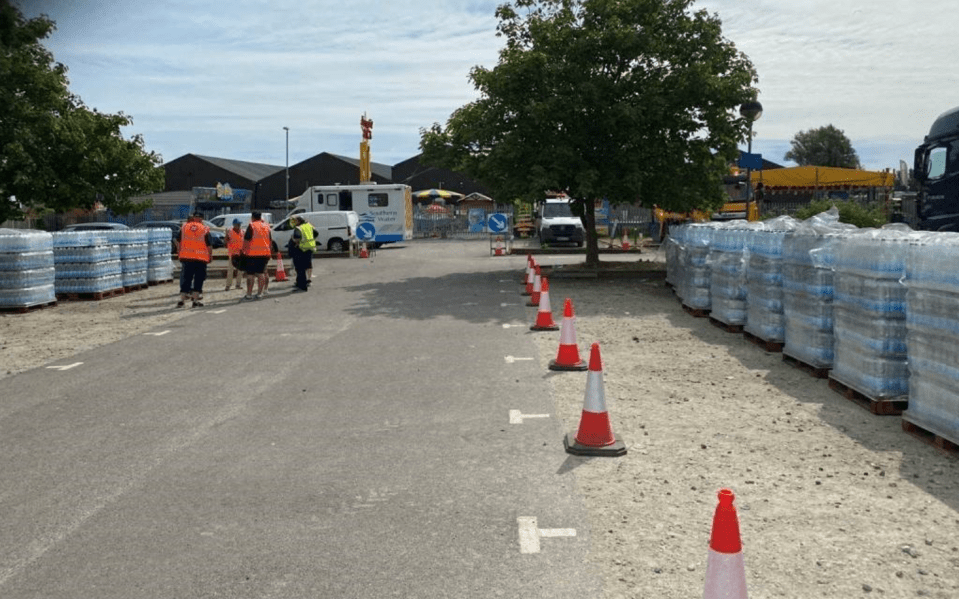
(499, 246)
(280, 271)
(537, 289)
(544, 318)
(528, 273)
(725, 567)
(567, 358)
(595, 435)
(625, 239)
(363, 251)
(531, 281)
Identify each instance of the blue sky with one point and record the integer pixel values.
(223, 78)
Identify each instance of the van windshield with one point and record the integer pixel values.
(557, 210)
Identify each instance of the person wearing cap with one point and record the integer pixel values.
(301, 247)
(257, 250)
(234, 247)
(195, 250)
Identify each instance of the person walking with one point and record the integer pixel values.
(257, 249)
(302, 245)
(195, 250)
(234, 247)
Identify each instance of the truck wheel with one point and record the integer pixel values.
(336, 245)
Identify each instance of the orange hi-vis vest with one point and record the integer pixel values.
(193, 242)
(260, 244)
(234, 242)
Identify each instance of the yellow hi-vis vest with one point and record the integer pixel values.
(307, 243)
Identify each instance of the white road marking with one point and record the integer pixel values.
(503, 305)
(66, 367)
(529, 534)
(160, 334)
(516, 417)
(217, 311)
(511, 359)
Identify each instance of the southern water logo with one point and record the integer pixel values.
(367, 217)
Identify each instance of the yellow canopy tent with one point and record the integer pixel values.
(821, 177)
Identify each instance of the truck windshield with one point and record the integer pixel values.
(943, 160)
(557, 210)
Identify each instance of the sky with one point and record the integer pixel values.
(223, 79)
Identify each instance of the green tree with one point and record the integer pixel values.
(628, 100)
(54, 151)
(825, 146)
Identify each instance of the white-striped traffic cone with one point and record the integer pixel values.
(544, 317)
(534, 268)
(537, 289)
(625, 239)
(595, 435)
(499, 246)
(528, 271)
(567, 358)
(725, 567)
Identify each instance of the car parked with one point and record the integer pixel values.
(95, 227)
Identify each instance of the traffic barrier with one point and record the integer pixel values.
(280, 271)
(544, 317)
(537, 289)
(595, 435)
(567, 358)
(725, 567)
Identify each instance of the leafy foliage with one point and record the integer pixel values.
(849, 212)
(825, 146)
(54, 151)
(629, 100)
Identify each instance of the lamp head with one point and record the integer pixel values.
(751, 110)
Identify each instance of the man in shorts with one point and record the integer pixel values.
(257, 249)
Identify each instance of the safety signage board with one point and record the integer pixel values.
(497, 222)
(365, 231)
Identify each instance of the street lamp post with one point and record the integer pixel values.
(752, 111)
(287, 196)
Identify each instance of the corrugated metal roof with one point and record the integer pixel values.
(383, 170)
(254, 171)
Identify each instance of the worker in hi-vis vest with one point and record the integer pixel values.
(301, 247)
(257, 249)
(195, 250)
(234, 247)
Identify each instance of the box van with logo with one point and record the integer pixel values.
(335, 230)
(386, 211)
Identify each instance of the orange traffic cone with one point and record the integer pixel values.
(568, 356)
(363, 251)
(531, 282)
(625, 239)
(528, 272)
(499, 246)
(595, 435)
(725, 567)
(537, 290)
(280, 271)
(544, 318)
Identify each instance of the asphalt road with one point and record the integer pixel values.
(349, 442)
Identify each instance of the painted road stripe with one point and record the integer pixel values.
(160, 334)
(516, 417)
(504, 304)
(530, 534)
(511, 359)
(66, 367)
(217, 311)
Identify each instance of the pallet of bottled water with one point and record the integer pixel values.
(693, 264)
(765, 317)
(870, 313)
(159, 258)
(727, 274)
(88, 262)
(932, 334)
(134, 256)
(26, 269)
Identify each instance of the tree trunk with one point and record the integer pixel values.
(592, 239)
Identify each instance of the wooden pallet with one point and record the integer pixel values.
(882, 406)
(729, 328)
(697, 312)
(930, 438)
(88, 297)
(769, 346)
(160, 282)
(816, 371)
(131, 288)
(25, 309)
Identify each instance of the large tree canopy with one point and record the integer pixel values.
(825, 146)
(54, 151)
(629, 100)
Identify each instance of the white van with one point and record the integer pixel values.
(335, 230)
(225, 221)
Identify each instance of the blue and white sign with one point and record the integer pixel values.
(365, 231)
(497, 222)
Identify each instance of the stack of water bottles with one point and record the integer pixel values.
(809, 254)
(870, 311)
(26, 269)
(159, 259)
(86, 262)
(133, 256)
(727, 272)
(693, 288)
(764, 279)
(932, 334)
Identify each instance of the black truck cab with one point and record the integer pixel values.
(937, 171)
